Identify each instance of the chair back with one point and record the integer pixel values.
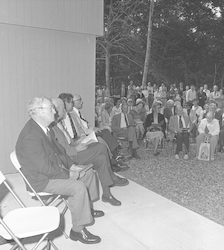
(15, 161)
(3, 180)
(17, 165)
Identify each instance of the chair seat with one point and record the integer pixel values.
(30, 221)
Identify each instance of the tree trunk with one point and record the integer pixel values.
(222, 80)
(107, 68)
(148, 48)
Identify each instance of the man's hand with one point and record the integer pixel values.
(180, 130)
(80, 147)
(75, 171)
(124, 129)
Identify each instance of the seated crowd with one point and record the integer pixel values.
(181, 116)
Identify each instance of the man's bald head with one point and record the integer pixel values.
(78, 103)
(60, 108)
(210, 116)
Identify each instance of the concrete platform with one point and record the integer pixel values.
(144, 221)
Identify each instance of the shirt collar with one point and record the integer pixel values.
(43, 128)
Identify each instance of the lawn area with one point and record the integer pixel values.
(196, 185)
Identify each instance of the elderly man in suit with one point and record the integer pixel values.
(208, 131)
(95, 153)
(47, 167)
(123, 125)
(179, 127)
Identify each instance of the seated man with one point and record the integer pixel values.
(208, 131)
(47, 167)
(81, 127)
(123, 125)
(95, 153)
(179, 127)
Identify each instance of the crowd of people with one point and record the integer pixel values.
(159, 111)
(52, 147)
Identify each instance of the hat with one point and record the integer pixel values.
(139, 100)
(130, 100)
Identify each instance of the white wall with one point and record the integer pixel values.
(35, 62)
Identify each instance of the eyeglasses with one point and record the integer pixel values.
(51, 107)
(79, 100)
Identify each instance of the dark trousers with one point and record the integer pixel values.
(182, 138)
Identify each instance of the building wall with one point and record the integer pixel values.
(80, 16)
(40, 61)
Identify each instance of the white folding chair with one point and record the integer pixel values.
(26, 222)
(51, 200)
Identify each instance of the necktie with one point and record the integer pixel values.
(82, 117)
(48, 135)
(180, 122)
(73, 126)
(126, 120)
(206, 130)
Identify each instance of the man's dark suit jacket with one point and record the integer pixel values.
(41, 158)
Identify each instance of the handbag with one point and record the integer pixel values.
(204, 151)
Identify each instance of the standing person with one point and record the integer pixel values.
(172, 93)
(181, 90)
(201, 96)
(163, 94)
(207, 91)
(140, 94)
(123, 94)
(46, 166)
(191, 94)
(184, 95)
(150, 95)
(145, 93)
(215, 95)
(131, 92)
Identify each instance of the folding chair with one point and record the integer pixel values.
(51, 198)
(26, 222)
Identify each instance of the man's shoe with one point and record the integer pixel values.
(84, 236)
(97, 213)
(177, 156)
(156, 153)
(111, 200)
(186, 157)
(116, 168)
(120, 182)
(136, 156)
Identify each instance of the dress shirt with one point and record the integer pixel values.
(43, 128)
(80, 120)
(213, 127)
(123, 122)
(191, 95)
